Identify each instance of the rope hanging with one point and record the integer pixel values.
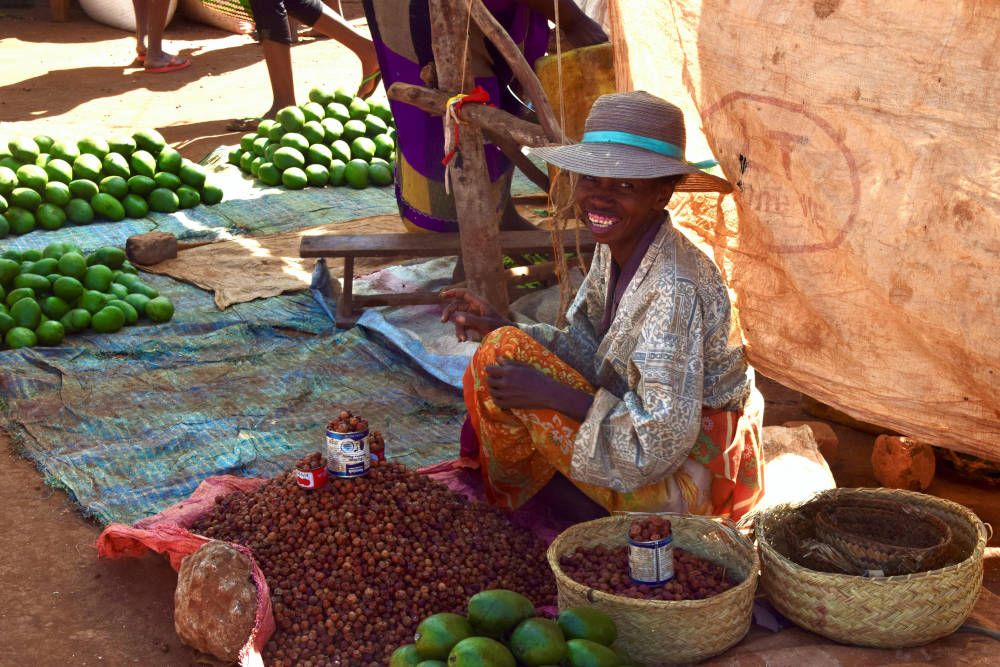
(561, 204)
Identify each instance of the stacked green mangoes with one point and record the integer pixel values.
(45, 295)
(334, 139)
(501, 629)
(46, 183)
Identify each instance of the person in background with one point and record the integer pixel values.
(150, 21)
(402, 35)
(275, 35)
(640, 403)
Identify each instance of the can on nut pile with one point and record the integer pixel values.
(310, 472)
(347, 452)
(650, 551)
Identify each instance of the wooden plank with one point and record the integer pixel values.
(432, 245)
(475, 202)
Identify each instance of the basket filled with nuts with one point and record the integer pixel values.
(662, 578)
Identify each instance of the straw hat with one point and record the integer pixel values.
(634, 135)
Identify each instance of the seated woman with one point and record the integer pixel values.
(641, 402)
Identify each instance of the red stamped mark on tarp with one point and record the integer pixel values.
(769, 191)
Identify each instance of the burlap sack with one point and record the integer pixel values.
(863, 242)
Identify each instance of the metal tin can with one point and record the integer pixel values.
(347, 454)
(314, 478)
(651, 563)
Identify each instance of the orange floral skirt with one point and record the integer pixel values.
(521, 450)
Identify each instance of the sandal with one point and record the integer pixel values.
(375, 76)
(140, 58)
(175, 63)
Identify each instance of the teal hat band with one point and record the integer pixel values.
(639, 141)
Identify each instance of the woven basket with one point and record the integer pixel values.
(233, 18)
(238, 9)
(887, 612)
(879, 534)
(656, 632)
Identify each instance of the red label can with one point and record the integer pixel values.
(311, 479)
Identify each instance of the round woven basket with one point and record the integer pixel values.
(887, 612)
(656, 632)
(886, 535)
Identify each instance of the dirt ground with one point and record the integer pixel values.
(62, 605)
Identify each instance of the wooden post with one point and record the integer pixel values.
(475, 203)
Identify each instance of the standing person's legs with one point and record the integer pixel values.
(141, 8)
(275, 35)
(156, 59)
(278, 59)
(333, 25)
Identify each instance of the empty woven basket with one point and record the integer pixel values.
(879, 534)
(888, 612)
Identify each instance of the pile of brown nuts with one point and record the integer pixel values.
(354, 566)
(606, 569)
(649, 529)
(347, 422)
(376, 444)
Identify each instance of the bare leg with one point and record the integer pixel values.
(278, 58)
(156, 21)
(141, 8)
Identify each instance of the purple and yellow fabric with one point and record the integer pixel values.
(401, 32)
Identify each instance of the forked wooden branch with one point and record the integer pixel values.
(496, 120)
(519, 66)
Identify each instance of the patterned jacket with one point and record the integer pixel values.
(665, 355)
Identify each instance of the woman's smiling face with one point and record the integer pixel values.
(619, 210)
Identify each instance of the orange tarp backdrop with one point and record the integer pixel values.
(863, 242)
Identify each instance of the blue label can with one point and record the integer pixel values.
(347, 454)
(651, 563)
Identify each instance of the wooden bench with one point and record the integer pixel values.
(417, 245)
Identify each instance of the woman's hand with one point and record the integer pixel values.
(468, 312)
(514, 385)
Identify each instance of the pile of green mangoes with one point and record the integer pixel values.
(45, 295)
(334, 139)
(500, 629)
(46, 183)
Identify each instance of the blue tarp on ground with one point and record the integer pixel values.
(131, 422)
